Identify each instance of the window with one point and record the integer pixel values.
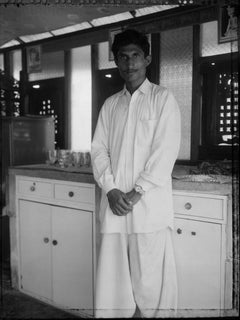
(220, 113)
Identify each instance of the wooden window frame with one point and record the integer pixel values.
(207, 150)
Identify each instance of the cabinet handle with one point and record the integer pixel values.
(32, 188)
(54, 242)
(179, 231)
(46, 240)
(71, 193)
(193, 233)
(188, 206)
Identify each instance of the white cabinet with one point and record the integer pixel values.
(200, 250)
(56, 242)
(56, 246)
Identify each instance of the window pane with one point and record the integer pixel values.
(226, 96)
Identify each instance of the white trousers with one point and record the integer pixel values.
(136, 269)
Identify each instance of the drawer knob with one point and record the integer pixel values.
(188, 206)
(179, 231)
(193, 233)
(46, 240)
(54, 242)
(32, 188)
(71, 193)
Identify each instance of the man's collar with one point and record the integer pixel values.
(144, 87)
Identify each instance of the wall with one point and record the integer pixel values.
(81, 98)
(16, 64)
(176, 75)
(209, 41)
(103, 56)
(52, 66)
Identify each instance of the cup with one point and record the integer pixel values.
(64, 158)
(76, 156)
(52, 156)
(85, 159)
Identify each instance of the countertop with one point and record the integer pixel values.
(53, 172)
(181, 179)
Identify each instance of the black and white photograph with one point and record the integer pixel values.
(34, 59)
(119, 160)
(228, 23)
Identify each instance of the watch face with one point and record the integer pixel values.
(139, 189)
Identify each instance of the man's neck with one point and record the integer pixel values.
(132, 87)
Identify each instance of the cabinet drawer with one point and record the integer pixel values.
(35, 188)
(74, 193)
(198, 206)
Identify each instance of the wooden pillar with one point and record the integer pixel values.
(24, 98)
(7, 64)
(153, 71)
(94, 67)
(196, 95)
(67, 99)
(8, 86)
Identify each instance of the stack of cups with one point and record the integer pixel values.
(68, 158)
(64, 158)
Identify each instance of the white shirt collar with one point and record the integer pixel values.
(144, 87)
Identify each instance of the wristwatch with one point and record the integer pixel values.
(138, 189)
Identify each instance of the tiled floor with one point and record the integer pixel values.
(16, 305)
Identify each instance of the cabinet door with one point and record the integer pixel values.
(35, 252)
(198, 259)
(72, 258)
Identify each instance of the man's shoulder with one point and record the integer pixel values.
(159, 89)
(162, 93)
(111, 99)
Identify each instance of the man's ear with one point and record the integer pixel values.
(148, 60)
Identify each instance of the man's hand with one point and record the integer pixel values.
(133, 196)
(119, 202)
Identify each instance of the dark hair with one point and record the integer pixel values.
(130, 36)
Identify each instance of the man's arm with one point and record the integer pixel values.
(101, 163)
(100, 153)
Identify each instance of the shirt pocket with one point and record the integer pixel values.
(145, 132)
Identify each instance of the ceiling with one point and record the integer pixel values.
(34, 19)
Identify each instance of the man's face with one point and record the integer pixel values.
(132, 63)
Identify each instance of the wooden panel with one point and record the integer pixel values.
(153, 69)
(67, 100)
(196, 95)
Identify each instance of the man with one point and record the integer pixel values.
(134, 149)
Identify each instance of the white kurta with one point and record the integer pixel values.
(137, 140)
